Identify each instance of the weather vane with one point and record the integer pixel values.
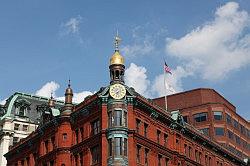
(117, 41)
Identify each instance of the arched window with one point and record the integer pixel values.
(117, 74)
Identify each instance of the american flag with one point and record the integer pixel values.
(167, 69)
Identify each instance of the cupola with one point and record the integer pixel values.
(116, 66)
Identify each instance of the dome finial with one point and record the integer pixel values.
(117, 41)
(69, 83)
(51, 101)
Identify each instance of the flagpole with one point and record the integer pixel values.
(166, 105)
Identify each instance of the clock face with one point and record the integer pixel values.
(117, 91)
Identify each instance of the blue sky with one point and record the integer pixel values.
(206, 43)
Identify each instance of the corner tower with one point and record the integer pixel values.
(116, 66)
(117, 129)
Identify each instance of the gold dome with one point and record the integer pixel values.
(116, 59)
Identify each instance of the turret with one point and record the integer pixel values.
(68, 107)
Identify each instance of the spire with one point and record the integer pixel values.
(117, 41)
(51, 102)
(69, 83)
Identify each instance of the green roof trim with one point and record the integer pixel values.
(55, 112)
(11, 100)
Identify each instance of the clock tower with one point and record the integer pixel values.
(117, 131)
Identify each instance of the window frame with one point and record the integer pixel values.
(218, 115)
(199, 118)
(217, 131)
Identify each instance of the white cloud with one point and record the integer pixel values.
(47, 89)
(79, 97)
(52, 87)
(72, 26)
(172, 83)
(143, 43)
(143, 48)
(218, 47)
(135, 76)
(2, 102)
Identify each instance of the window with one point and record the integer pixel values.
(190, 152)
(248, 133)
(185, 149)
(95, 153)
(81, 158)
(27, 161)
(118, 118)
(166, 161)
(196, 155)
(76, 134)
(110, 146)
(200, 117)
(242, 129)
(236, 124)
(238, 141)
(209, 161)
(205, 131)
(15, 140)
(16, 126)
(219, 131)
(125, 146)
(21, 111)
(25, 127)
(53, 142)
(177, 144)
(138, 152)
(95, 127)
(185, 118)
(244, 144)
(125, 119)
(159, 159)
(76, 159)
(118, 146)
(218, 115)
(110, 117)
(146, 157)
(158, 136)
(82, 133)
(206, 160)
(46, 144)
(138, 125)
(165, 139)
(51, 163)
(64, 136)
(230, 135)
(199, 159)
(228, 119)
(145, 130)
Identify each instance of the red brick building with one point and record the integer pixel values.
(212, 114)
(117, 126)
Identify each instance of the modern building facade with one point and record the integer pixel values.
(117, 127)
(19, 116)
(212, 114)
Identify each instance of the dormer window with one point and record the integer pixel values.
(22, 106)
(21, 111)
